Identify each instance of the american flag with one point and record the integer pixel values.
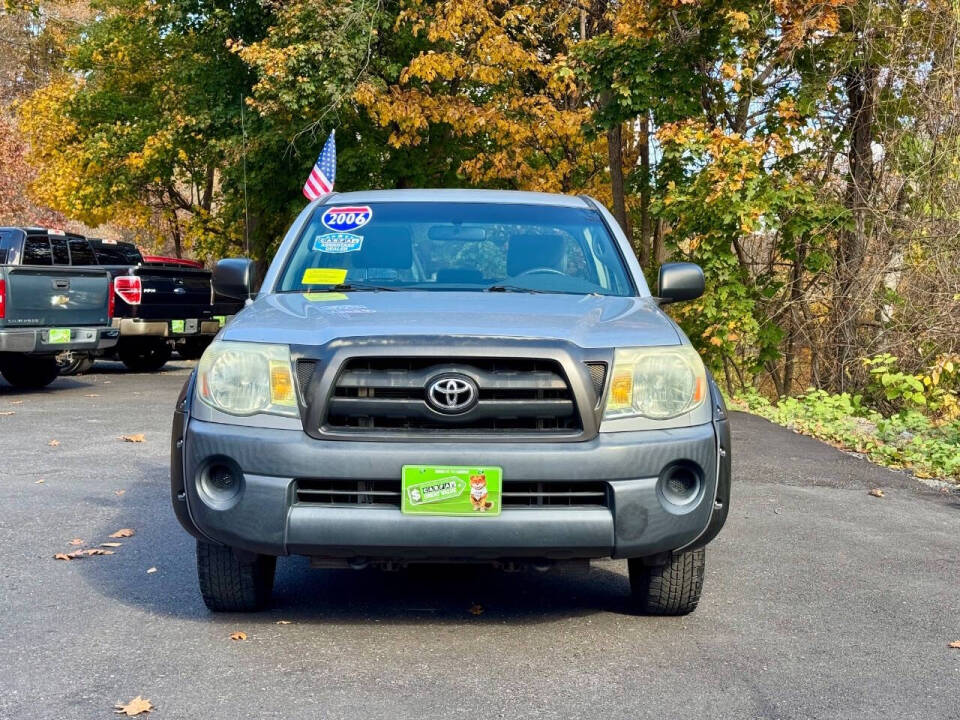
(321, 177)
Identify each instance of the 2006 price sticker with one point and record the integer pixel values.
(345, 219)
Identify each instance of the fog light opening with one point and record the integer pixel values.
(680, 484)
(220, 482)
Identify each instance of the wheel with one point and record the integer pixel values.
(144, 356)
(193, 348)
(669, 589)
(25, 371)
(229, 584)
(74, 363)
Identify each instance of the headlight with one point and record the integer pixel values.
(243, 378)
(657, 383)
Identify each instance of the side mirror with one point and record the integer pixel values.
(679, 281)
(233, 278)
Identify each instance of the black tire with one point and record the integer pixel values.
(229, 584)
(193, 348)
(669, 589)
(25, 371)
(144, 356)
(74, 363)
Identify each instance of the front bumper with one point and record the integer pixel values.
(265, 516)
(132, 327)
(37, 340)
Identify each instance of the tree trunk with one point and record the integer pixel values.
(615, 159)
(849, 290)
(646, 234)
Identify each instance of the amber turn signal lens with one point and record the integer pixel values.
(281, 384)
(621, 389)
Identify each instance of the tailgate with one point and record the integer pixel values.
(174, 294)
(56, 297)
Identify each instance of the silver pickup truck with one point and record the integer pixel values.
(452, 376)
(47, 311)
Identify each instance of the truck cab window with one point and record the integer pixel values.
(36, 250)
(61, 256)
(80, 252)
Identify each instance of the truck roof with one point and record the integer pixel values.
(503, 197)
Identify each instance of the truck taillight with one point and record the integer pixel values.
(111, 303)
(129, 288)
(3, 298)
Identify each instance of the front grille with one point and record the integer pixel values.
(305, 370)
(531, 493)
(348, 492)
(514, 395)
(516, 493)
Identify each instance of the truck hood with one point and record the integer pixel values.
(589, 321)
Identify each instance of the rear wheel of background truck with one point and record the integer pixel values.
(669, 589)
(144, 355)
(25, 371)
(229, 584)
(193, 348)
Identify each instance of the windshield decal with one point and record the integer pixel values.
(344, 219)
(324, 297)
(337, 243)
(323, 276)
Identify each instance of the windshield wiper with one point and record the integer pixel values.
(506, 287)
(358, 287)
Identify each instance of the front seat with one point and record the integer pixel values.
(386, 253)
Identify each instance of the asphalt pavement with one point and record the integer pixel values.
(820, 600)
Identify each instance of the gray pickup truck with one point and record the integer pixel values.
(48, 311)
(452, 376)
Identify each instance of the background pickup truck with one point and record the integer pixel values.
(159, 308)
(46, 311)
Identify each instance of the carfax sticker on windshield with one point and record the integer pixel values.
(324, 276)
(345, 219)
(338, 242)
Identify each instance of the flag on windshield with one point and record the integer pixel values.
(321, 177)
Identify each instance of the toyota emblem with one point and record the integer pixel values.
(452, 394)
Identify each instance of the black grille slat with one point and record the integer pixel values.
(389, 394)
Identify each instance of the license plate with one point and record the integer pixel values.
(58, 336)
(450, 490)
(177, 326)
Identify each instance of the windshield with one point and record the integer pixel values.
(456, 246)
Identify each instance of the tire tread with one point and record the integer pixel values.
(670, 589)
(231, 585)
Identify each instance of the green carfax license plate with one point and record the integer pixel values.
(177, 326)
(450, 490)
(58, 336)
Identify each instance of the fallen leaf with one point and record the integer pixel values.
(122, 533)
(76, 541)
(53, 443)
(134, 707)
(151, 570)
(86, 552)
(118, 493)
(92, 395)
(283, 622)
(110, 544)
(476, 609)
(16, 402)
(7, 413)
(876, 492)
(238, 635)
(955, 645)
(37, 482)
(138, 438)
(61, 556)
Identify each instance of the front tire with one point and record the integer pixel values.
(669, 589)
(229, 584)
(29, 372)
(144, 356)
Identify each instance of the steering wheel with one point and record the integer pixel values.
(541, 271)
